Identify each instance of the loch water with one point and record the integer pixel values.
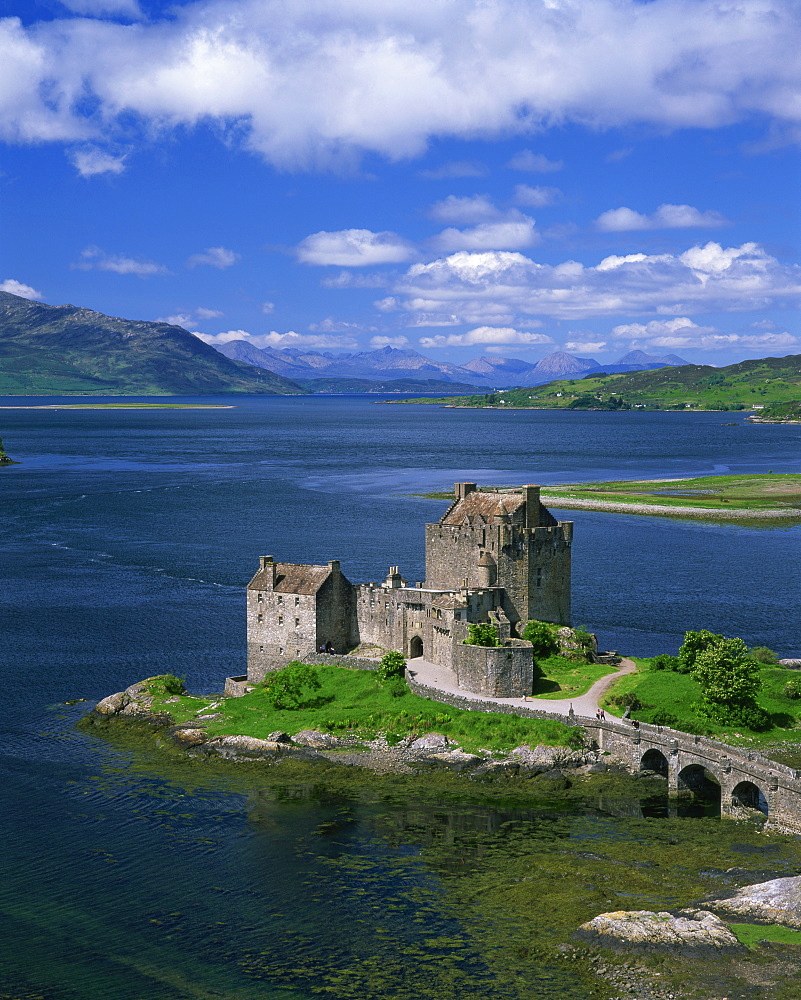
(127, 538)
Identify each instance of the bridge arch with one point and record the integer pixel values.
(747, 795)
(655, 760)
(415, 647)
(699, 791)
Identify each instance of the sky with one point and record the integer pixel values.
(456, 177)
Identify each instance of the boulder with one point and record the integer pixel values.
(314, 738)
(188, 736)
(695, 932)
(113, 704)
(456, 760)
(279, 737)
(775, 902)
(430, 741)
(249, 746)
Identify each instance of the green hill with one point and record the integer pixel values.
(68, 350)
(738, 386)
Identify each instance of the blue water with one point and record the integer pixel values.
(127, 538)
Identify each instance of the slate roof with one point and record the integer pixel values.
(483, 505)
(291, 578)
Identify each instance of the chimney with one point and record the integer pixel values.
(462, 489)
(333, 565)
(267, 563)
(532, 495)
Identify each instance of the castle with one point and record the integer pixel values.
(493, 557)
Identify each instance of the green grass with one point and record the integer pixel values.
(353, 702)
(751, 934)
(678, 694)
(566, 678)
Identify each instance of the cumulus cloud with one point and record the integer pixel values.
(18, 288)
(95, 259)
(475, 208)
(388, 341)
(90, 162)
(496, 287)
(354, 248)
(535, 163)
(537, 197)
(585, 346)
(203, 313)
(191, 318)
(681, 325)
(682, 332)
(486, 335)
(218, 257)
(275, 339)
(514, 231)
(306, 90)
(618, 220)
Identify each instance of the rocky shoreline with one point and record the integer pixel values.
(662, 510)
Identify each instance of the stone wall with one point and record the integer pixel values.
(499, 671)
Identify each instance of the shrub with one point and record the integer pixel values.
(664, 718)
(482, 634)
(763, 655)
(164, 684)
(792, 689)
(542, 637)
(729, 681)
(695, 643)
(391, 665)
(290, 688)
(395, 686)
(666, 662)
(627, 700)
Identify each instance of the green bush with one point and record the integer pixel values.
(695, 643)
(792, 689)
(391, 665)
(395, 686)
(730, 682)
(482, 634)
(663, 718)
(542, 637)
(290, 688)
(666, 662)
(763, 655)
(165, 684)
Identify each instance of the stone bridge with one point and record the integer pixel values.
(743, 780)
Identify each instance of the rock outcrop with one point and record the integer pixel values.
(774, 902)
(697, 932)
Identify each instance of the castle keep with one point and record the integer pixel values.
(493, 557)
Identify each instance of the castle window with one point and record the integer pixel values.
(261, 649)
(280, 599)
(539, 577)
(297, 601)
(297, 623)
(281, 650)
(280, 619)
(260, 598)
(260, 617)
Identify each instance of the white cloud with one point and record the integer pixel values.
(95, 259)
(191, 318)
(456, 168)
(721, 341)
(267, 308)
(618, 220)
(354, 248)
(585, 346)
(535, 163)
(202, 313)
(218, 257)
(486, 335)
(497, 287)
(331, 325)
(274, 339)
(15, 287)
(514, 232)
(388, 341)
(98, 8)
(90, 162)
(476, 208)
(536, 197)
(306, 90)
(347, 279)
(681, 325)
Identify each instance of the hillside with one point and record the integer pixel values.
(738, 386)
(348, 385)
(68, 350)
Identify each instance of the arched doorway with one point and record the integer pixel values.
(747, 795)
(699, 792)
(415, 647)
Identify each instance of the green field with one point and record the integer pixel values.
(759, 492)
(355, 702)
(562, 677)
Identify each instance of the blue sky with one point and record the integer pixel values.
(460, 177)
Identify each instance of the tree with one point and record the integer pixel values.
(391, 665)
(730, 682)
(482, 634)
(695, 643)
(289, 688)
(542, 637)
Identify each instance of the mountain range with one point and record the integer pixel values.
(388, 363)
